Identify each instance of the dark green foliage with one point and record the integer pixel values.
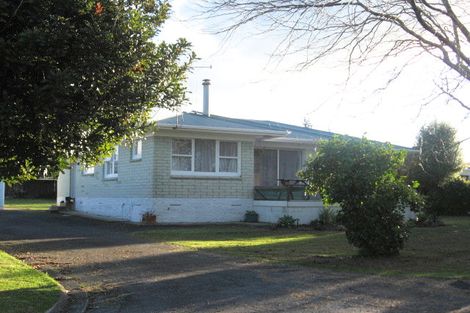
(451, 198)
(328, 219)
(438, 157)
(363, 178)
(80, 76)
(437, 160)
(251, 217)
(287, 221)
(328, 216)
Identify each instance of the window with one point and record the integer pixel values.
(111, 165)
(205, 157)
(272, 165)
(89, 170)
(136, 150)
(228, 157)
(290, 162)
(182, 155)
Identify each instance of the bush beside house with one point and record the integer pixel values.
(363, 178)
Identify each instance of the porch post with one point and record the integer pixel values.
(2, 195)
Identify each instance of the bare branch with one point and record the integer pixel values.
(365, 28)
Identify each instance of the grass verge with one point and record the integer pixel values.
(29, 204)
(23, 289)
(440, 252)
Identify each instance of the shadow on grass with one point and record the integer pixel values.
(28, 300)
(438, 252)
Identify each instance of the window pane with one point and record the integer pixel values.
(228, 148)
(228, 165)
(108, 168)
(204, 155)
(137, 149)
(289, 164)
(181, 163)
(181, 146)
(89, 170)
(265, 167)
(115, 168)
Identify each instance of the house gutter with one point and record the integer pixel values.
(227, 130)
(293, 140)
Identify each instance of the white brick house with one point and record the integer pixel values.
(197, 168)
(200, 168)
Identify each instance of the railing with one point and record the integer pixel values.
(282, 193)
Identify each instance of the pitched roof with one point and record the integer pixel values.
(276, 130)
(196, 120)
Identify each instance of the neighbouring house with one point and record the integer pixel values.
(200, 167)
(465, 174)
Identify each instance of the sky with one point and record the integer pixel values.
(247, 82)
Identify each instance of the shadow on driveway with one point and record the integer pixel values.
(122, 273)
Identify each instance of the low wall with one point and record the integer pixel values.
(171, 210)
(206, 210)
(271, 211)
(305, 211)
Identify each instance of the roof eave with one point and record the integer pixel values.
(226, 130)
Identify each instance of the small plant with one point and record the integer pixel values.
(287, 221)
(251, 217)
(149, 218)
(328, 217)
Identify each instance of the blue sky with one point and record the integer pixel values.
(248, 83)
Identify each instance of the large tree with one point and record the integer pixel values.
(79, 76)
(438, 157)
(364, 28)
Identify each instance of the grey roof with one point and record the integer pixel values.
(196, 119)
(289, 132)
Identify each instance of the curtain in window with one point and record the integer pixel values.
(228, 157)
(265, 167)
(204, 155)
(182, 155)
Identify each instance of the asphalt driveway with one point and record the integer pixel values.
(108, 270)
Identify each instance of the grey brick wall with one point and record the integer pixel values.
(135, 178)
(201, 187)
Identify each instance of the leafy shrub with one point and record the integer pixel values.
(287, 221)
(451, 198)
(251, 217)
(363, 178)
(328, 219)
(328, 216)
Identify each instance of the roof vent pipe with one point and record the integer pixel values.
(205, 84)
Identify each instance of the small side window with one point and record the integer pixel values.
(136, 150)
(111, 165)
(89, 170)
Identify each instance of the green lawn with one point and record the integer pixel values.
(23, 289)
(29, 204)
(441, 252)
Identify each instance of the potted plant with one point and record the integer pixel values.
(251, 217)
(149, 218)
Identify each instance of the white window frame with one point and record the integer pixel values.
(217, 173)
(88, 171)
(136, 150)
(111, 161)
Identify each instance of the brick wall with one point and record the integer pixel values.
(202, 187)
